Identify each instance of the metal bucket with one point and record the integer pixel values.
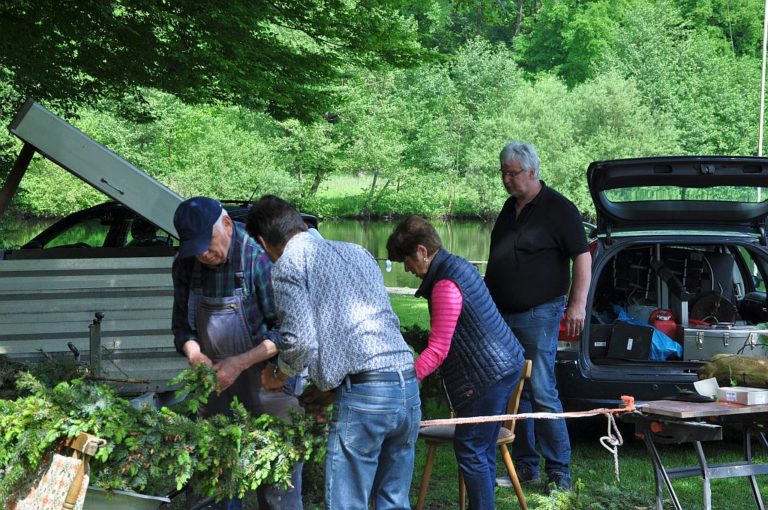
(100, 499)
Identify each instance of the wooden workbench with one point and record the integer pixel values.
(677, 422)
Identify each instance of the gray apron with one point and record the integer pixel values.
(222, 332)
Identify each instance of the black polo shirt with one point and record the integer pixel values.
(529, 261)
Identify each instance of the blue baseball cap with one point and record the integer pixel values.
(194, 220)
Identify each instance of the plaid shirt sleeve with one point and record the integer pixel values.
(182, 331)
(261, 313)
(261, 287)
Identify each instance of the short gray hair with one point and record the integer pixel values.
(523, 153)
(219, 225)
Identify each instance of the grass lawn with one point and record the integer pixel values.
(595, 486)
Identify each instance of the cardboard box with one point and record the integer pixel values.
(737, 394)
(742, 395)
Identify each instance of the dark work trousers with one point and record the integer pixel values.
(223, 332)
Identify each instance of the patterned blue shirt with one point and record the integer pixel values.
(219, 281)
(335, 314)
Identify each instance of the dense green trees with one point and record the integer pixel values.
(581, 79)
(275, 55)
(281, 57)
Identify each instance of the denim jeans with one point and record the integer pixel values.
(475, 445)
(371, 445)
(537, 330)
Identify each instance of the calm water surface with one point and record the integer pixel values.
(468, 239)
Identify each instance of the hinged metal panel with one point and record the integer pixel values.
(87, 159)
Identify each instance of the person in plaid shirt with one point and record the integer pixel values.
(224, 317)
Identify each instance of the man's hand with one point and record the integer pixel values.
(227, 370)
(316, 402)
(574, 320)
(271, 380)
(194, 355)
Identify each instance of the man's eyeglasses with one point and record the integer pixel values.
(511, 174)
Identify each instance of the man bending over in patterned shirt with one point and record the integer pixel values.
(336, 319)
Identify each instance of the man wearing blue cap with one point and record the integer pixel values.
(224, 317)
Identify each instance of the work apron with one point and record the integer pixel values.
(222, 332)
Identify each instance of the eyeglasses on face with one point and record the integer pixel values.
(511, 175)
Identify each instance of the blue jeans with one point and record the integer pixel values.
(537, 329)
(475, 445)
(371, 445)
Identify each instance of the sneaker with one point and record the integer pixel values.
(526, 476)
(560, 482)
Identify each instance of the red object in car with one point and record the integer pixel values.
(562, 336)
(664, 321)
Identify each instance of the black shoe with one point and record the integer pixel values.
(560, 482)
(527, 477)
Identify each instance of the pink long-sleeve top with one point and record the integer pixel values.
(446, 308)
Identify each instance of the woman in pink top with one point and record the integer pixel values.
(478, 356)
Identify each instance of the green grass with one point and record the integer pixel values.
(593, 472)
(337, 186)
(411, 311)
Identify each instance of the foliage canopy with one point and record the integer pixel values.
(275, 55)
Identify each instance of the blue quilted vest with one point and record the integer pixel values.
(483, 349)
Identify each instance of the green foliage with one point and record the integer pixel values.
(674, 65)
(275, 56)
(151, 450)
(581, 80)
(738, 22)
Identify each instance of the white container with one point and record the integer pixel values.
(743, 395)
(100, 499)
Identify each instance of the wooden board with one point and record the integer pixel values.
(678, 409)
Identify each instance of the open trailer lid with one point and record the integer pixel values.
(87, 159)
(680, 192)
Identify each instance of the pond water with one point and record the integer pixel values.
(468, 239)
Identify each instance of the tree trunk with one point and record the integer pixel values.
(319, 174)
(367, 206)
(518, 18)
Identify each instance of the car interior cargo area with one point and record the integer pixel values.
(665, 303)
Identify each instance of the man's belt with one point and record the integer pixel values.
(366, 377)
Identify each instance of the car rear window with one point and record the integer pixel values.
(677, 193)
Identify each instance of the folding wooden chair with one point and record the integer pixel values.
(443, 434)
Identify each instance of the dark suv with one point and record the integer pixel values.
(678, 275)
